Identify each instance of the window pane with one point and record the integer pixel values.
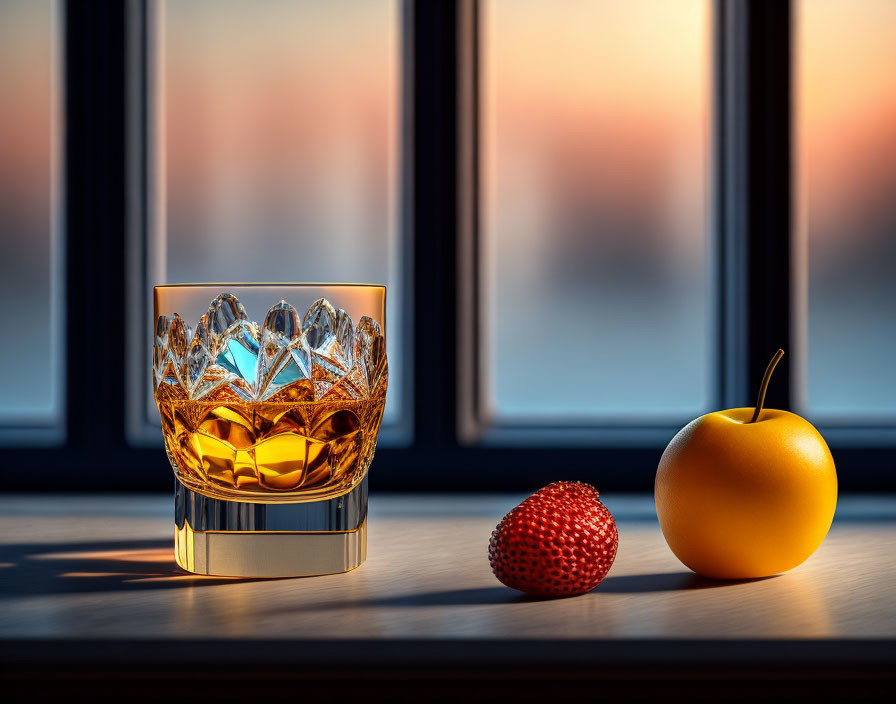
(594, 228)
(847, 129)
(278, 146)
(30, 269)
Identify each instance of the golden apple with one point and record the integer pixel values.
(747, 492)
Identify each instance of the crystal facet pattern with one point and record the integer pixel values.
(288, 410)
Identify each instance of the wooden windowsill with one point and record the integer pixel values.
(98, 570)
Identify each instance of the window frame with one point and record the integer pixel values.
(760, 252)
(51, 430)
(473, 428)
(867, 433)
(757, 299)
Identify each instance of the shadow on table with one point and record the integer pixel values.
(74, 568)
(499, 594)
(666, 582)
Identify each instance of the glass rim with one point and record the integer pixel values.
(261, 284)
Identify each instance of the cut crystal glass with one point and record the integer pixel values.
(288, 408)
(270, 422)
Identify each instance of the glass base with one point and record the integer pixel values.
(248, 539)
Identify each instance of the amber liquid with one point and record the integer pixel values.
(270, 451)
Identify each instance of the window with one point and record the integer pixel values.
(274, 148)
(846, 93)
(594, 248)
(595, 223)
(31, 272)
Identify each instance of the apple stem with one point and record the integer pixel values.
(763, 387)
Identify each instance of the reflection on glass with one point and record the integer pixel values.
(278, 145)
(846, 92)
(31, 391)
(595, 125)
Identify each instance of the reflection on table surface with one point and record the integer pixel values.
(102, 567)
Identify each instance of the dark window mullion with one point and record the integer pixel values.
(768, 194)
(95, 224)
(432, 460)
(753, 196)
(435, 152)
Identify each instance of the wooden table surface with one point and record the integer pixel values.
(100, 571)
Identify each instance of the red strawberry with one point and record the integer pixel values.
(560, 541)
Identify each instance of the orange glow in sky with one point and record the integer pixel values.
(846, 107)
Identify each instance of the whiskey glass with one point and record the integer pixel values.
(270, 404)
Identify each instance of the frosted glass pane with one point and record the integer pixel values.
(31, 388)
(594, 227)
(279, 146)
(847, 129)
